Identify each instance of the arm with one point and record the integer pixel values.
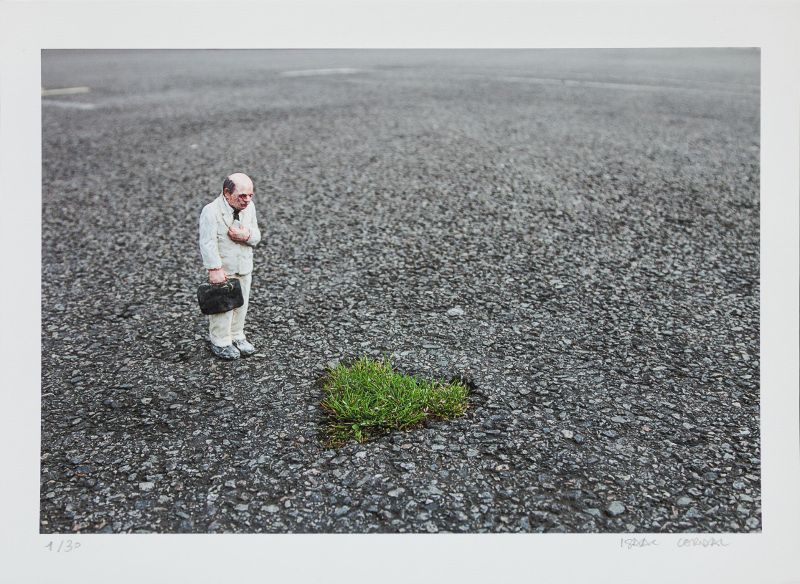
(255, 232)
(208, 247)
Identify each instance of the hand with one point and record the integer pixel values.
(216, 276)
(240, 234)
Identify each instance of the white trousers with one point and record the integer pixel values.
(227, 327)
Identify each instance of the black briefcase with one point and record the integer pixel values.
(222, 297)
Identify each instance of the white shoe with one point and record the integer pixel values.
(245, 348)
(228, 352)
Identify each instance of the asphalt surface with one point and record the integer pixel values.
(575, 232)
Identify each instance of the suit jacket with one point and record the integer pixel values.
(219, 250)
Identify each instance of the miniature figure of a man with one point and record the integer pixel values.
(228, 233)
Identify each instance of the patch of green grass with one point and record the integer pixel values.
(369, 399)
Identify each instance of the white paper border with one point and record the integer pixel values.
(28, 27)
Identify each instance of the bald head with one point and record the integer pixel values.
(238, 190)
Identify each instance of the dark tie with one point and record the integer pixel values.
(235, 214)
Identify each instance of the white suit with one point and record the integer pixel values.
(235, 259)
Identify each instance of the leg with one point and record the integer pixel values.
(239, 314)
(219, 328)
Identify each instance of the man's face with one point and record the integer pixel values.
(241, 196)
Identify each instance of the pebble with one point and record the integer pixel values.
(615, 508)
(693, 514)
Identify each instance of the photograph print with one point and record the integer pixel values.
(456, 291)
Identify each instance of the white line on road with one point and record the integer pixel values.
(64, 91)
(311, 72)
(68, 104)
(607, 85)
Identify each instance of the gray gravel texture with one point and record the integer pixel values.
(576, 232)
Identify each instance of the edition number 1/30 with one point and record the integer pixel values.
(63, 546)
